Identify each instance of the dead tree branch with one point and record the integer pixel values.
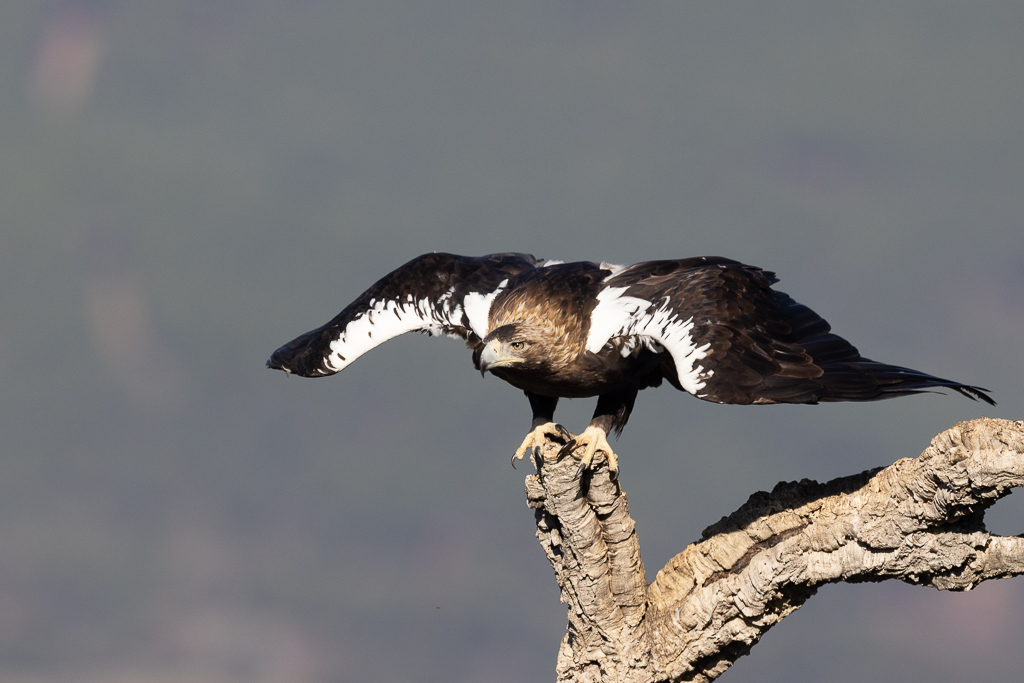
(919, 520)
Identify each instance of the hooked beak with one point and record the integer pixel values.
(491, 358)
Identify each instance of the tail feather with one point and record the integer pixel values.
(866, 380)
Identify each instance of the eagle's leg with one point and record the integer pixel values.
(593, 439)
(542, 426)
(537, 436)
(612, 412)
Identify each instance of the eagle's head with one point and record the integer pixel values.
(517, 346)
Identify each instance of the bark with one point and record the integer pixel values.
(919, 520)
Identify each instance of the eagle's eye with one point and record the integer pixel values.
(518, 345)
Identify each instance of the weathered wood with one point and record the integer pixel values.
(919, 520)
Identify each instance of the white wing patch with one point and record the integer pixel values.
(386, 320)
(635, 321)
(478, 309)
(612, 315)
(665, 327)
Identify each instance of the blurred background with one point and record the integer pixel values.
(186, 185)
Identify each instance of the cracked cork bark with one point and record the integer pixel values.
(920, 520)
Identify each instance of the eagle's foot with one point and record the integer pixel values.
(593, 439)
(537, 436)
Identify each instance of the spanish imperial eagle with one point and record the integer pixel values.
(711, 326)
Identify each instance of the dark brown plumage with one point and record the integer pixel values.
(711, 326)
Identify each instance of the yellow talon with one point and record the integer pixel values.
(596, 439)
(537, 436)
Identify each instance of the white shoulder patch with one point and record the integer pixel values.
(613, 315)
(478, 309)
(637, 321)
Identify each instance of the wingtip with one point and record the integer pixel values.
(271, 365)
(277, 362)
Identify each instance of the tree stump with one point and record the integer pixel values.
(920, 520)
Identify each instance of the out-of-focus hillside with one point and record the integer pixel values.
(186, 185)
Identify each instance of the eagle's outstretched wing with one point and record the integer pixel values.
(733, 339)
(434, 293)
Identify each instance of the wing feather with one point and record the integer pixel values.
(435, 293)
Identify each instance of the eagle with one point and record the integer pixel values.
(710, 326)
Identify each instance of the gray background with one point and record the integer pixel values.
(186, 185)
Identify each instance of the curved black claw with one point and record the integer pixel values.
(566, 449)
(579, 470)
(534, 453)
